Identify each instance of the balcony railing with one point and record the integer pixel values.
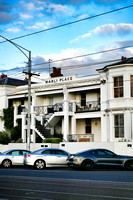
(81, 138)
(88, 106)
(45, 110)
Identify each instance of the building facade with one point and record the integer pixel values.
(82, 109)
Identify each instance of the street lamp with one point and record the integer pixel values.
(22, 49)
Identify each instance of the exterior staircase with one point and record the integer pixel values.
(42, 131)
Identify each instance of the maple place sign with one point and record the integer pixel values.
(60, 79)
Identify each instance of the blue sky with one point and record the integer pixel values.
(22, 17)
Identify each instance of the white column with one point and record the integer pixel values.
(127, 125)
(73, 125)
(74, 106)
(23, 127)
(103, 127)
(41, 115)
(66, 115)
(73, 120)
(111, 127)
(33, 114)
(33, 118)
(33, 99)
(33, 136)
(108, 126)
(15, 114)
(132, 126)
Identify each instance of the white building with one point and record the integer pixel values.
(94, 108)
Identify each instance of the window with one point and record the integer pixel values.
(47, 152)
(88, 125)
(24, 152)
(83, 99)
(131, 82)
(118, 86)
(119, 126)
(59, 152)
(15, 153)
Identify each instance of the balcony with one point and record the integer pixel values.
(81, 138)
(45, 110)
(88, 106)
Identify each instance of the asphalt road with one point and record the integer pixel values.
(65, 184)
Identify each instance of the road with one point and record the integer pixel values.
(65, 184)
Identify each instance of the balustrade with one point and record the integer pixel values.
(81, 138)
(88, 106)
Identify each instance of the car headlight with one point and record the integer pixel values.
(77, 159)
(71, 157)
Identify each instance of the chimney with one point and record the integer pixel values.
(123, 58)
(56, 72)
(3, 76)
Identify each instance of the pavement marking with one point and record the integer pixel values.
(69, 193)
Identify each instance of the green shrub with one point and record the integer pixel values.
(52, 140)
(16, 133)
(8, 116)
(4, 138)
(19, 140)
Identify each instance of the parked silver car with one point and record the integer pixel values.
(47, 157)
(13, 157)
(87, 160)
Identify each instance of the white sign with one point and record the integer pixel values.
(59, 79)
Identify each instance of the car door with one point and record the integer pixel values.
(16, 157)
(49, 157)
(106, 157)
(61, 157)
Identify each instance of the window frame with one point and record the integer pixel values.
(83, 99)
(119, 125)
(118, 86)
(88, 125)
(131, 85)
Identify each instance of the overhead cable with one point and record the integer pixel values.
(69, 23)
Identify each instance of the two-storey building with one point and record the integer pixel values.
(94, 108)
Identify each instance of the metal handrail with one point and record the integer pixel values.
(81, 137)
(88, 106)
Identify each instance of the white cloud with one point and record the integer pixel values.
(81, 37)
(25, 16)
(111, 28)
(67, 53)
(107, 29)
(39, 25)
(83, 16)
(31, 6)
(13, 30)
(58, 8)
(79, 65)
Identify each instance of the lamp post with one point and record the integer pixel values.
(22, 49)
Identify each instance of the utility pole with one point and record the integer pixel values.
(22, 49)
(49, 67)
(29, 99)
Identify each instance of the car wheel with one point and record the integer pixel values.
(6, 163)
(40, 164)
(129, 165)
(87, 165)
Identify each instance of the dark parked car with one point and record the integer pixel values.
(87, 160)
(13, 157)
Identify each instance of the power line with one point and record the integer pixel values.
(69, 23)
(87, 65)
(85, 55)
(83, 65)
